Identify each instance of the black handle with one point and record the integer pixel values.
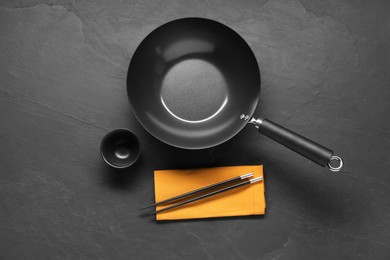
(305, 147)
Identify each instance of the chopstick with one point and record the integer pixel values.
(208, 194)
(214, 185)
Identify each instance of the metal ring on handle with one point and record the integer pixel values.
(338, 168)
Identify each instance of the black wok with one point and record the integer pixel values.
(194, 83)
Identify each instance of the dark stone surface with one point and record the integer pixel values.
(325, 73)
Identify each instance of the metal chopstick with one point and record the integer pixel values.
(209, 194)
(214, 185)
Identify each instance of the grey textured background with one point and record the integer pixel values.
(325, 74)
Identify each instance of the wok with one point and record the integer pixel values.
(194, 83)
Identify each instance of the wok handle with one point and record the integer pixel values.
(305, 147)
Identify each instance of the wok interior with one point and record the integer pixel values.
(190, 80)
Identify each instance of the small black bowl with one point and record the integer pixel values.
(120, 148)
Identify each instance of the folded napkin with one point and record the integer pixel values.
(242, 201)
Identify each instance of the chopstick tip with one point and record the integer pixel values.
(145, 207)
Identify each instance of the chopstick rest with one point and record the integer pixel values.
(214, 185)
(209, 194)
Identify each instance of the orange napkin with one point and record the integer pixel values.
(242, 201)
